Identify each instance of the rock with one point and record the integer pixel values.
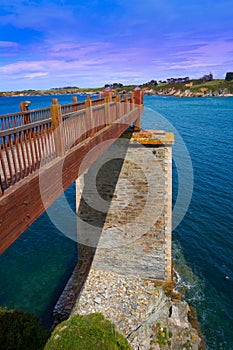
(97, 300)
(146, 316)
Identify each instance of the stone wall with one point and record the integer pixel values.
(136, 237)
(124, 213)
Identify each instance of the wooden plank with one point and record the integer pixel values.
(22, 204)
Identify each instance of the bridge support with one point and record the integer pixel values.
(136, 237)
(124, 213)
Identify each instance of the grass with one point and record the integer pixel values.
(213, 85)
(89, 332)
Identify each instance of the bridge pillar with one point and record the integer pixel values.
(136, 237)
(124, 215)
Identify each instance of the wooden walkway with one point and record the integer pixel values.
(41, 144)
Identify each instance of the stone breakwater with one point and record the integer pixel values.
(141, 311)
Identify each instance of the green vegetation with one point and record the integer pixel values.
(197, 85)
(161, 336)
(90, 332)
(177, 86)
(213, 85)
(229, 76)
(20, 331)
(57, 91)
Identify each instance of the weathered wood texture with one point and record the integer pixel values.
(22, 203)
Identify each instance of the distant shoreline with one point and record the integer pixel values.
(187, 95)
(190, 88)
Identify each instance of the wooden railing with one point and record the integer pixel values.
(29, 140)
(16, 119)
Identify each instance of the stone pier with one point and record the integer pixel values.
(124, 237)
(136, 235)
(124, 213)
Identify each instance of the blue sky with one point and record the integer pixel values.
(53, 43)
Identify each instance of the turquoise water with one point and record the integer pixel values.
(34, 269)
(203, 242)
(11, 104)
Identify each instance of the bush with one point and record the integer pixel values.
(90, 332)
(229, 76)
(20, 331)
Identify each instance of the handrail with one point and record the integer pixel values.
(27, 147)
(12, 120)
(23, 127)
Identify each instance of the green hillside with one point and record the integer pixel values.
(213, 85)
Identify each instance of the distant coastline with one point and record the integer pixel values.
(188, 93)
(176, 88)
(193, 88)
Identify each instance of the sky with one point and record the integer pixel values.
(56, 43)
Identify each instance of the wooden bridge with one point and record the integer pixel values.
(50, 142)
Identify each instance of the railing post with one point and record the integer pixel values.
(131, 101)
(138, 96)
(118, 106)
(106, 110)
(126, 101)
(75, 101)
(108, 93)
(24, 108)
(107, 98)
(89, 115)
(139, 103)
(56, 116)
(114, 95)
(99, 95)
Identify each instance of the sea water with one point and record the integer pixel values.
(34, 270)
(203, 242)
